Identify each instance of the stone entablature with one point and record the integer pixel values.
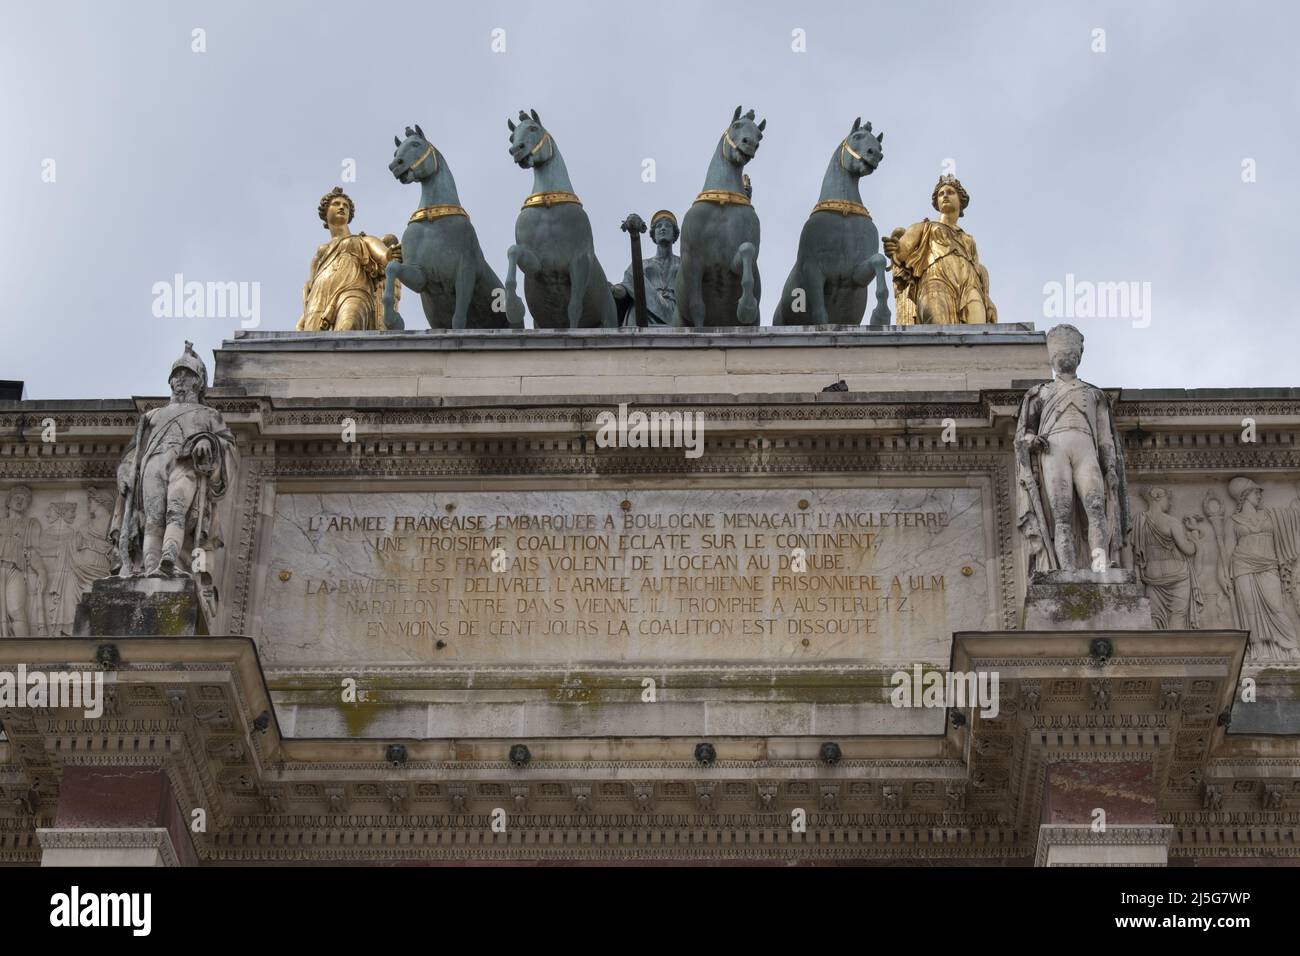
(676, 361)
(974, 791)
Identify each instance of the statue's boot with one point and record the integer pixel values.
(152, 553)
(170, 552)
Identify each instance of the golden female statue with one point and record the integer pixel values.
(344, 291)
(938, 279)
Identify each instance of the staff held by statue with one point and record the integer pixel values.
(634, 225)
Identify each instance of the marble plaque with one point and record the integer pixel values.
(879, 574)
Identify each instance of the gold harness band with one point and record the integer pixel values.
(427, 213)
(723, 196)
(845, 207)
(550, 199)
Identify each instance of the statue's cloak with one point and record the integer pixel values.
(187, 424)
(660, 292)
(345, 267)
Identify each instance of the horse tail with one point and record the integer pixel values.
(880, 314)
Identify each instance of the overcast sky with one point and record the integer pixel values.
(1123, 165)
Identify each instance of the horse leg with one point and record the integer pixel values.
(743, 264)
(690, 293)
(814, 291)
(579, 271)
(465, 271)
(489, 299)
(390, 319)
(412, 277)
(874, 266)
(521, 257)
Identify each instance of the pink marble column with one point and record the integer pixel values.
(1101, 813)
(116, 816)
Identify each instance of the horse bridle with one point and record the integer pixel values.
(726, 136)
(546, 136)
(846, 148)
(425, 155)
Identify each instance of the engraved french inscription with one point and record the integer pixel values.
(875, 574)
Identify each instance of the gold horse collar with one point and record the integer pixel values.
(845, 207)
(722, 197)
(427, 213)
(550, 199)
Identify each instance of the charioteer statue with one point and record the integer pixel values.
(180, 463)
(658, 273)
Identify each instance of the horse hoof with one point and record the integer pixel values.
(879, 316)
(393, 321)
(747, 312)
(515, 312)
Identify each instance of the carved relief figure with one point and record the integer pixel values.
(59, 550)
(1291, 572)
(95, 550)
(183, 460)
(1164, 552)
(75, 556)
(1070, 468)
(1208, 533)
(1258, 541)
(344, 290)
(22, 569)
(938, 278)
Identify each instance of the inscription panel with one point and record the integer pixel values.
(879, 574)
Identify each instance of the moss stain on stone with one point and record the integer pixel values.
(590, 689)
(359, 716)
(1078, 602)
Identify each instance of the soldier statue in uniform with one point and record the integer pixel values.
(180, 463)
(1070, 468)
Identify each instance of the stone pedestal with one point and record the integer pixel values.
(121, 607)
(1110, 600)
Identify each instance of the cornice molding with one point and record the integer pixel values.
(110, 838)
